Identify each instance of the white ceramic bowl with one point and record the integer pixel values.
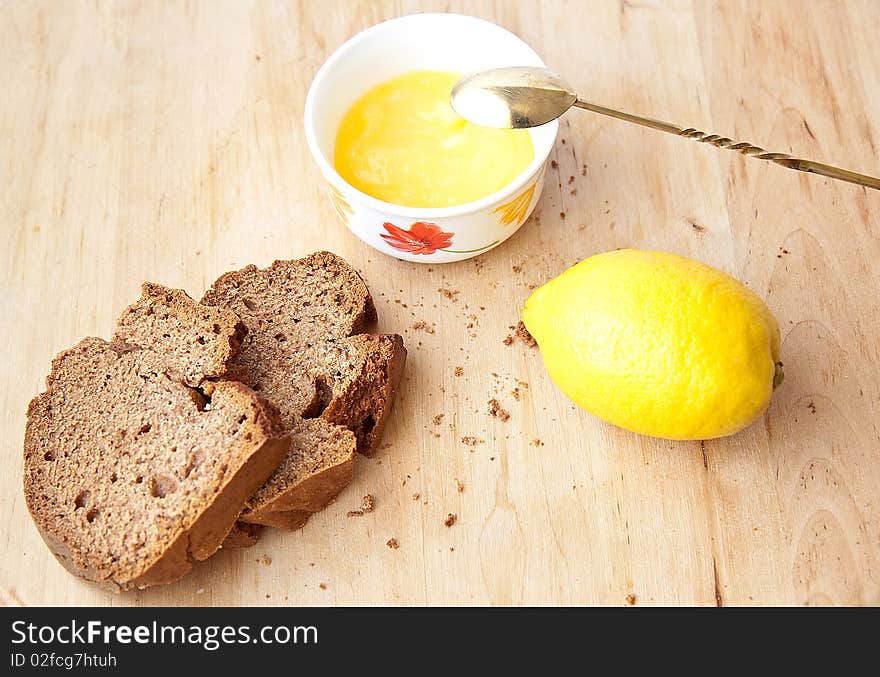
(448, 42)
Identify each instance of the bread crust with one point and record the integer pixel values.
(309, 496)
(290, 520)
(242, 535)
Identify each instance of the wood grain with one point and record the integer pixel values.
(163, 141)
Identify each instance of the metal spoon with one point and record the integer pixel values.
(527, 97)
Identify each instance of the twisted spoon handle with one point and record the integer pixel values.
(747, 149)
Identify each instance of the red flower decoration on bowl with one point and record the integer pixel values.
(421, 238)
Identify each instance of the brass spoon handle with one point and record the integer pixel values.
(747, 149)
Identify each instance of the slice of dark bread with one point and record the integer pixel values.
(197, 340)
(306, 353)
(130, 474)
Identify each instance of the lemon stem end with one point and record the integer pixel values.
(778, 375)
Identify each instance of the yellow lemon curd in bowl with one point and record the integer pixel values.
(402, 142)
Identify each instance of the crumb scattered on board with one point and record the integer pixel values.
(523, 335)
(517, 392)
(459, 371)
(367, 505)
(323, 586)
(265, 559)
(537, 443)
(450, 519)
(451, 294)
(437, 418)
(471, 440)
(392, 543)
(630, 600)
(421, 325)
(459, 486)
(497, 411)
(520, 333)
(416, 496)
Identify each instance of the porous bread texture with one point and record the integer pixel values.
(197, 340)
(364, 371)
(318, 466)
(304, 350)
(130, 474)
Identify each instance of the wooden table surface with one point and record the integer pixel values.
(164, 141)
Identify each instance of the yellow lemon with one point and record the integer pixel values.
(657, 344)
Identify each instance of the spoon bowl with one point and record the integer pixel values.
(512, 98)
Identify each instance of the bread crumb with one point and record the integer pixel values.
(392, 543)
(421, 325)
(470, 440)
(537, 443)
(554, 164)
(459, 486)
(450, 519)
(508, 340)
(437, 418)
(355, 513)
(459, 371)
(416, 496)
(496, 410)
(630, 600)
(323, 586)
(265, 559)
(523, 335)
(368, 503)
(451, 294)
